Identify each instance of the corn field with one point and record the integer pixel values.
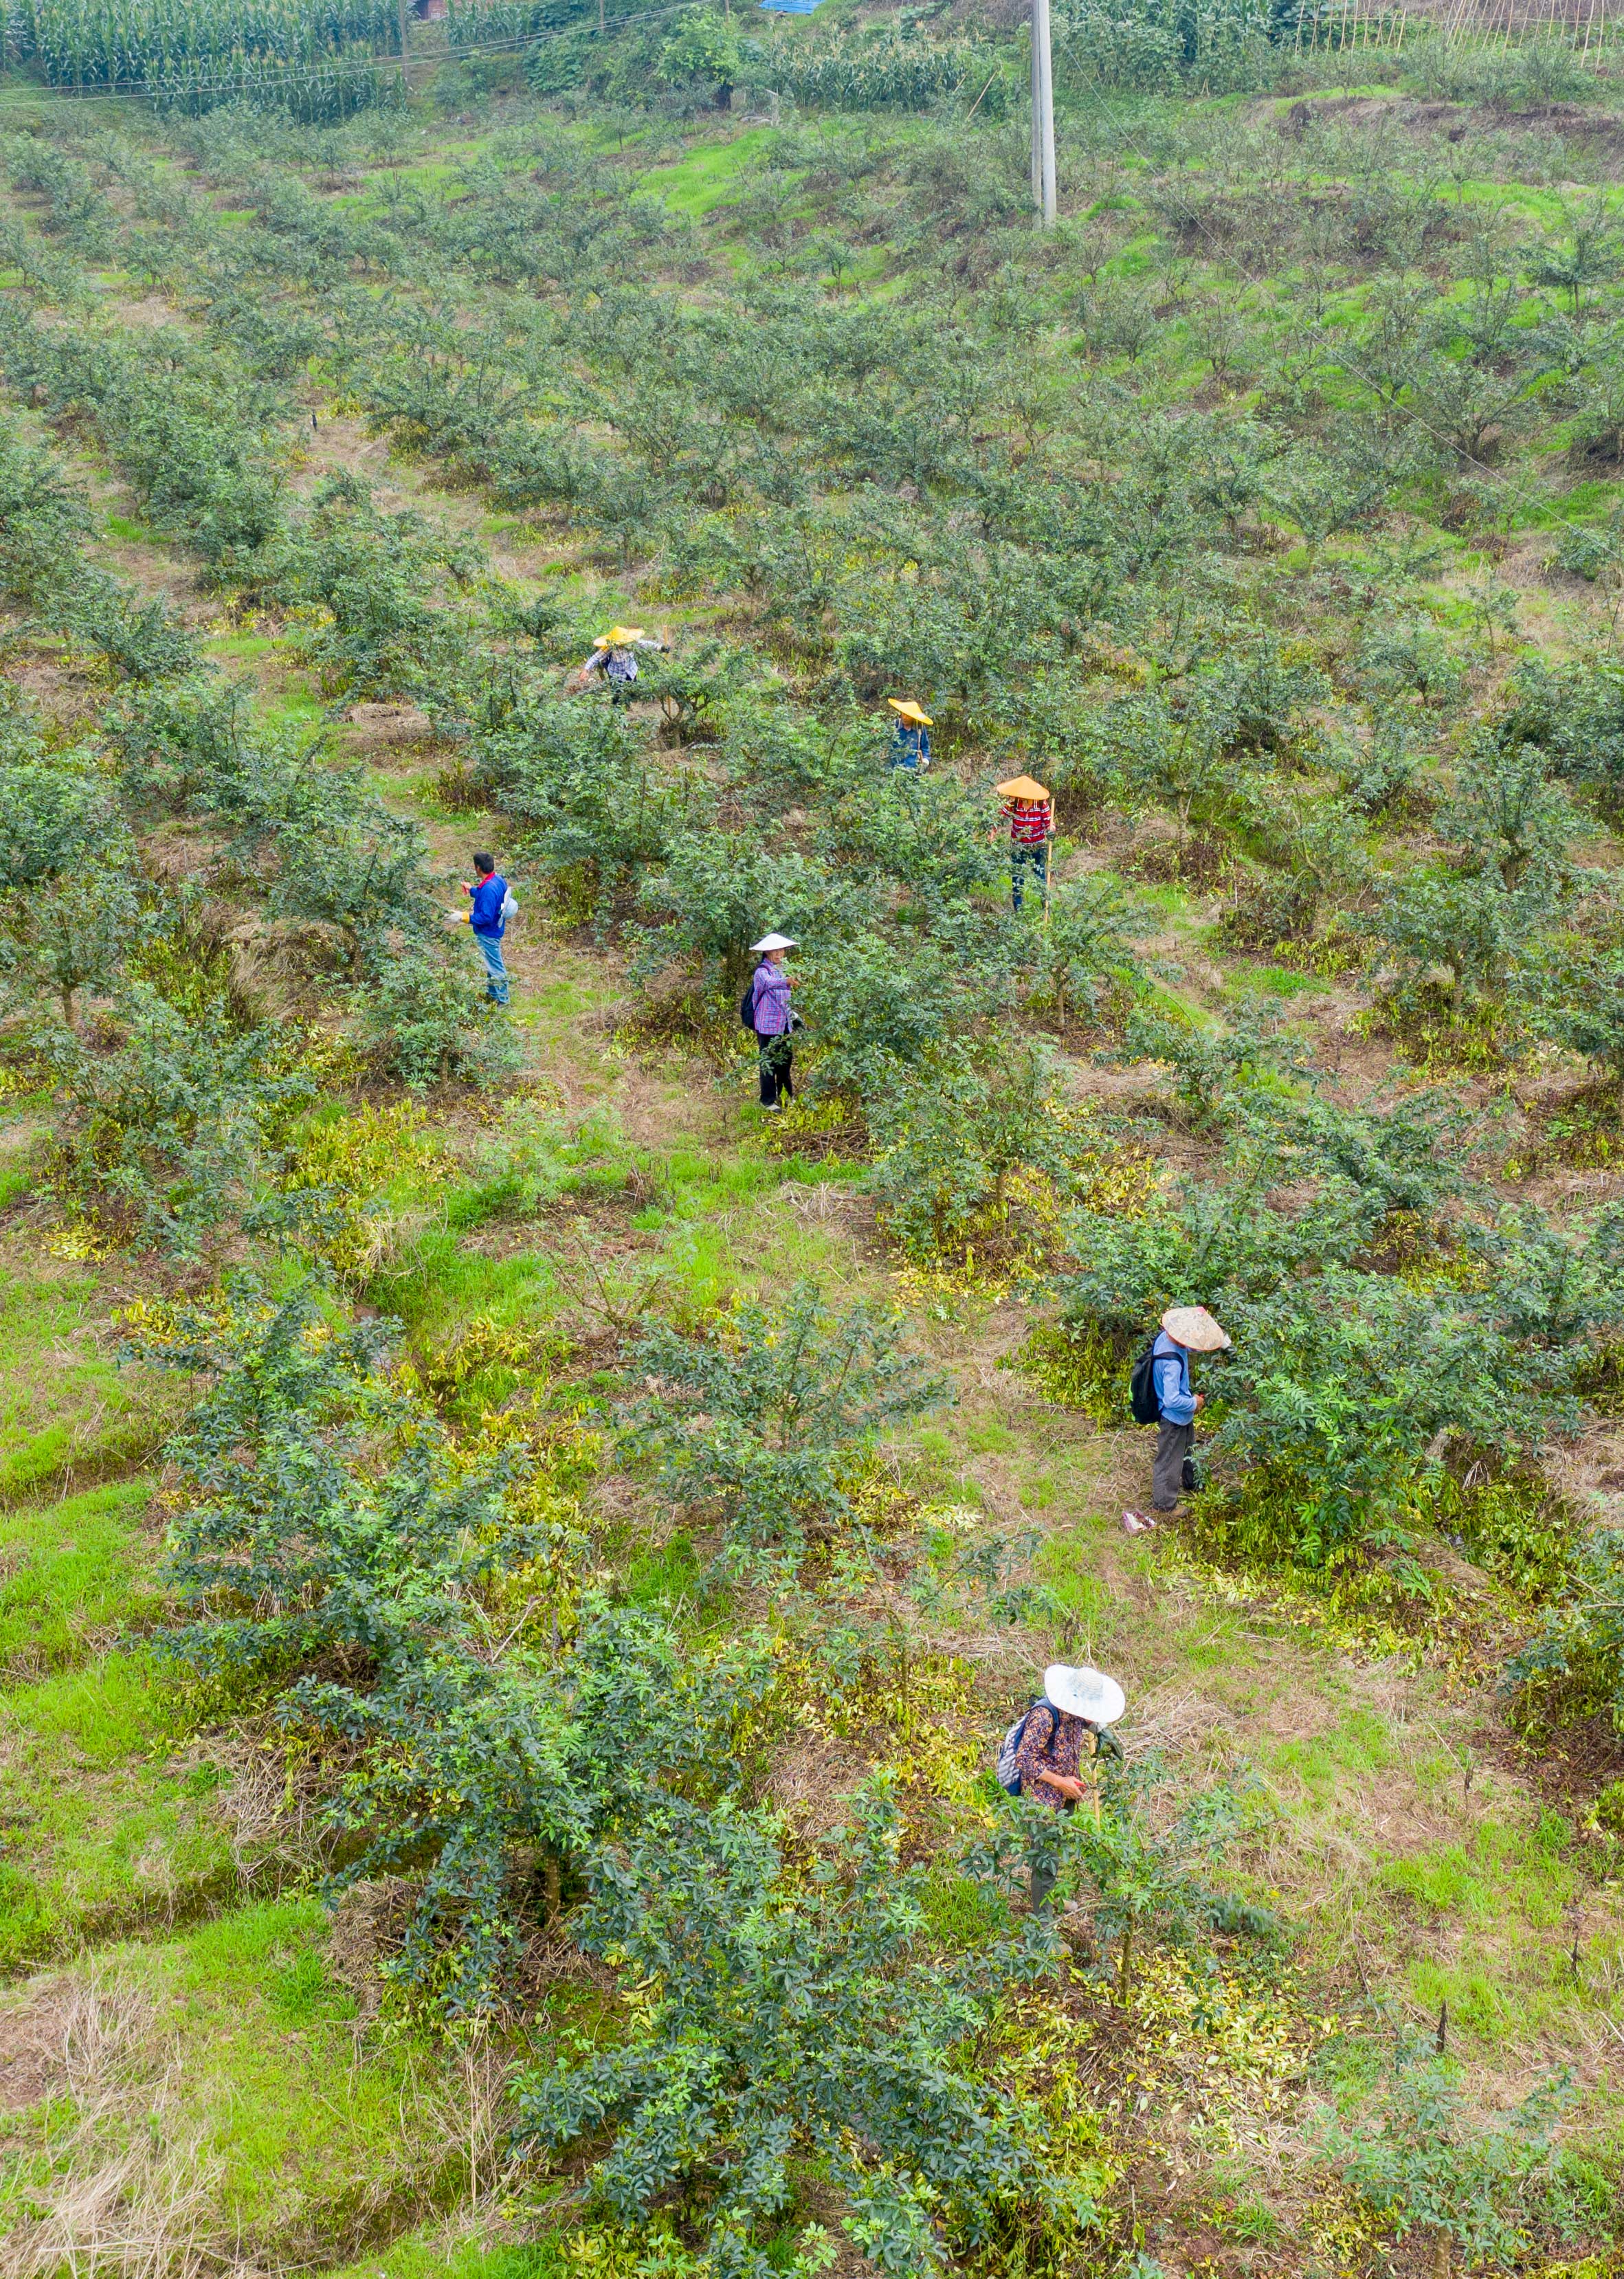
(193, 52)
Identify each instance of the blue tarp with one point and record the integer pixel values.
(789, 7)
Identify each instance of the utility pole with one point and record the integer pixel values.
(1043, 115)
(400, 10)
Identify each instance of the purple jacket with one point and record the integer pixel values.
(770, 1001)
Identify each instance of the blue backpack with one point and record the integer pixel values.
(1009, 1747)
(746, 1007)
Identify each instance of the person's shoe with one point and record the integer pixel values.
(772, 1107)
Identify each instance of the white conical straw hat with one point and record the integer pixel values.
(774, 941)
(1084, 1693)
(1194, 1326)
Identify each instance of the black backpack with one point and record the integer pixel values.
(747, 1007)
(1142, 1388)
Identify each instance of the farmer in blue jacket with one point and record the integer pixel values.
(486, 917)
(910, 742)
(1184, 1329)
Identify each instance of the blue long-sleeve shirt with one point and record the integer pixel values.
(910, 745)
(485, 913)
(1170, 1369)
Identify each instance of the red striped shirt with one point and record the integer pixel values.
(1028, 821)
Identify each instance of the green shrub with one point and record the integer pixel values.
(341, 1559)
(762, 1425)
(45, 520)
(795, 2021)
(161, 1139)
(1420, 2165)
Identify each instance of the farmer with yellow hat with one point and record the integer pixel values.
(613, 655)
(910, 745)
(1028, 813)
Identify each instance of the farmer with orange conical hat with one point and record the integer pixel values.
(910, 745)
(613, 655)
(1027, 813)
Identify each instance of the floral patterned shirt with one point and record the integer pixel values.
(1056, 1742)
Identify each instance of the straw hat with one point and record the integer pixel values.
(1084, 1693)
(1194, 1326)
(617, 636)
(773, 942)
(1020, 788)
(909, 711)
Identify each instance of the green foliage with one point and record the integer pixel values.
(704, 46)
(723, 891)
(949, 1144)
(1345, 1383)
(1573, 1667)
(762, 1426)
(341, 1555)
(245, 50)
(1155, 43)
(163, 1133)
(1423, 2166)
(879, 73)
(796, 2019)
(43, 520)
(373, 577)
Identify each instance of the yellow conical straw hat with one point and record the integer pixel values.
(617, 634)
(1020, 788)
(909, 711)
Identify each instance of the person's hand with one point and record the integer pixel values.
(1200, 1400)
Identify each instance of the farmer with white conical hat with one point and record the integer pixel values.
(1054, 1750)
(773, 1019)
(1184, 1329)
(613, 655)
(910, 745)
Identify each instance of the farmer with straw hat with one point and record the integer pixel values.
(772, 1019)
(613, 655)
(1057, 1748)
(1184, 1329)
(910, 745)
(1029, 811)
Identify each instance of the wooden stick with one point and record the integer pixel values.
(975, 106)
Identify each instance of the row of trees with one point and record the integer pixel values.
(155, 1000)
(1064, 578)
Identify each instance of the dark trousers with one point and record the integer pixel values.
(777, 1057)
(1044, 1868)
(1021, 859)
(1174, 1443)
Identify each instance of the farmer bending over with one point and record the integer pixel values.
(1028, 813)
(1065, 1732)
(910, 745)
(773, 1021)
(613, 655)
